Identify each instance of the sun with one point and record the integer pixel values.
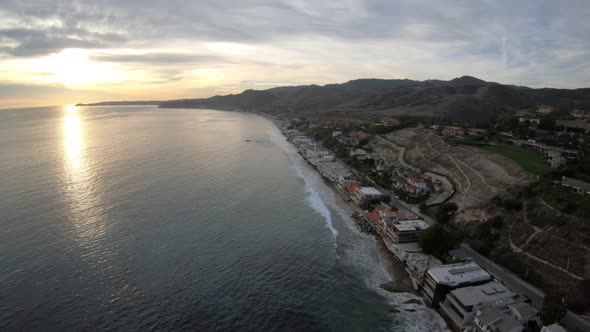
(72, 68)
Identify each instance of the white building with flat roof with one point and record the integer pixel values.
(439, 280)
(364, 194)
(404, 231)
(461, 304)
(333, 170)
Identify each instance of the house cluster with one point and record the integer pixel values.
(320, 158)
(556, 156)
(467, 296)
(327, 165)
(455, 131)
(580, 114)
(414, 183)
(400, 230)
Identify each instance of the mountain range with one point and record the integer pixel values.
(464, 98)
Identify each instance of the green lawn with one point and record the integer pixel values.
(530, 160)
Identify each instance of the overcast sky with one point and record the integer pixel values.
(59, 52)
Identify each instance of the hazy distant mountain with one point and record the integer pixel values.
(465, 97)
(123, 103)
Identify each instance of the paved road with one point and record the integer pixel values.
(508, 278)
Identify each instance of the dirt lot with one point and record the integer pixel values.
(477, 175)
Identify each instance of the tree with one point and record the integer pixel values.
(438, 240)
(444, 212)
(423, 208)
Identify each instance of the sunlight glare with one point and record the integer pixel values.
(73, 68)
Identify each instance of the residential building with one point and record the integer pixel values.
(365, 194)
(375, 221)
(517, 317)
(440, 280)
(475, 131)
(336, 133)
(343, 181)
(333, 170)
(532, 121)
(358, 153)
(556, 156)
(351, 187)
(328, 157)
(418, 182)
(452, 131)
(579, 114)
(560, 157)
(580, 187)
(553, 328)
(299, 140)
(495, 320)
(406, 215)
(545, 109)
(315, 152)
(404, 231)
(461, 304)
(402, 251)
(417, 265)
(386, 214)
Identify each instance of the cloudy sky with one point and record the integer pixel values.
(60, 52)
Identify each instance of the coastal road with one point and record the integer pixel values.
(508, 278)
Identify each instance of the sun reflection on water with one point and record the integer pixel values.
(84, 203)
(73, 141)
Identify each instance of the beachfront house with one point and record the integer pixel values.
(404, 231)
(515, 318)
(440, 280)
(461, 304)
(363, 195)
(333, 170)
(300, 140)
(417, 265)
(358, 153)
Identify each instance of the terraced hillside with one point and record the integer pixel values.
(478, 175)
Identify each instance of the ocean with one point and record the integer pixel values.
(140, 218)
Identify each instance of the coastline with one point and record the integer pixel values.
(394, 268)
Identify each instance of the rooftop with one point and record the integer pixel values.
(482, 294)
(411, 225)
(382, 207)
(523, 309)
(574, 183)
(457, 274)
(554, 328)
(372, 216)
(502, 321)
(407, 215)
(369, 191)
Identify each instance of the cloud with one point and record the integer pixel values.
(20, 95)
(528, 42)
(158, 58)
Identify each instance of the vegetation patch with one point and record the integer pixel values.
(529, 160)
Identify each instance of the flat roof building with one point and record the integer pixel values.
(440, 280)
(461, 304)
(404, 231)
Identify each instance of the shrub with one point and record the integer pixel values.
(438, 240)
(444, 212)
(497, 222)
(512, 204)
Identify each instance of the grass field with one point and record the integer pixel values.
(531, 161)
